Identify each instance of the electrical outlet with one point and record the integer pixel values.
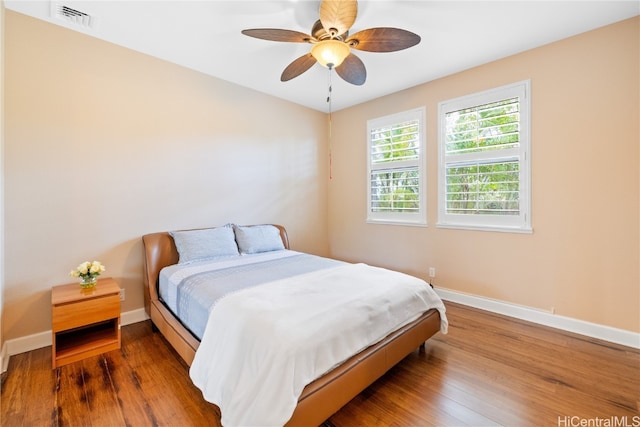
(432, 272)
(121, 294)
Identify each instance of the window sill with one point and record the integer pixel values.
(389, 222)
(493, 228)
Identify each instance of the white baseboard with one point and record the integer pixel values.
(4, 359)
(606, 333)
(593, 330)
(43, 339)
(133, 316)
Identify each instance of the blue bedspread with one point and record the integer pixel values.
(191, 290)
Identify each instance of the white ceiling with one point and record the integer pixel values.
(456, 35)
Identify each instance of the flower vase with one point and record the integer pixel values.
(88, 282)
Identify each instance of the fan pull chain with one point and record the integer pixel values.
(330, 147)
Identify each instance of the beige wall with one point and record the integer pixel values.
(2, 355)
(582, 259)
(104, 144)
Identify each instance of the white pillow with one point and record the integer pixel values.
(210, 243)
(258, 238)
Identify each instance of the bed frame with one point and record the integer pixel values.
(324, 396)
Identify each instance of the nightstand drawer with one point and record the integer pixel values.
(81, 313)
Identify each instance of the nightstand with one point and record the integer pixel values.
(85, 322)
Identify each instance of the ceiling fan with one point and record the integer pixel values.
(332, 44)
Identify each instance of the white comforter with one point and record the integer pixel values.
(262, 345)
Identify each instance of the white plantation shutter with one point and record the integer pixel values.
(396, 168)
(484, 163)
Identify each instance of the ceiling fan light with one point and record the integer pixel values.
(330, 53)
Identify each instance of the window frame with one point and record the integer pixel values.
(520, 223)
(398, 218)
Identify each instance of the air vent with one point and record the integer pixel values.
(72, 16)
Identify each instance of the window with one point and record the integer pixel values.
(484, 178)
(396, 168)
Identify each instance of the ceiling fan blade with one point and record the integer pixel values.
(337, 16)
(383, 40)
(352, 70)
(278, 35)
(298, 67)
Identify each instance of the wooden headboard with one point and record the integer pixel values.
(160, 251)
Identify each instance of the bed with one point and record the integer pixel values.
(320, 396)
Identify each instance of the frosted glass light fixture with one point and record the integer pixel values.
(330, 53)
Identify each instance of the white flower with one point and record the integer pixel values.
(88, 269)
(83, 268)
(96, 267)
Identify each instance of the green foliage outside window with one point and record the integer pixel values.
(483, 185)
(396, 188)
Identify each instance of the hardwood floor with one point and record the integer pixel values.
(489, 370)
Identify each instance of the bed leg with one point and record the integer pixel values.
(154, 328)
(421, 347)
